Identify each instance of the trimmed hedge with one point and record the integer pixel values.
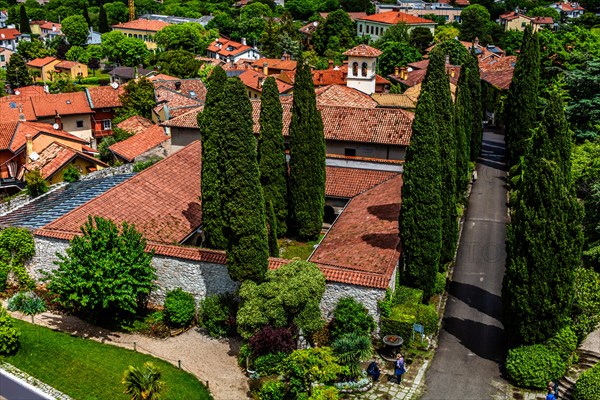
(587, 386)
(269, 364)
(440, 283)
(180, 308)
(564, 343)
(406, 295)
(533, 366)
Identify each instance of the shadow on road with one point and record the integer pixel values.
(478, 298)
(477, 336)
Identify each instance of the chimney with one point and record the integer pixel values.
(57, 120)
(266, 69)
(21, 115)
(29, 147)
(256, 68)
(396, 71)
(403, 73)
(260, 81)
(244, 41)
(452, 72)
(178, 86)
(231, 64)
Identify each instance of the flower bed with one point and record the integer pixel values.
(362, 385)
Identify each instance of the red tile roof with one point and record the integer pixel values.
(54, 157)
(353, 15)
(362, 50)
(153, 200)
(221, 45)
(7, 131)
(13, 133)
(11, 107)
(192, 87)
(137, 145)
(498, 72)
(395, 17)
(511, 15)
(543, 20)
(349, 182)
(342, 95)
(49, 25)
(362, 246)
(253, 80)
(275, 63)
(135, 124)
(172, 99)
(64, 103)
(309, 28)
(163, 77)
(337, 76)
(187, 120)
(143, 25)
(104, 96)
(418, 73)
(9, 34)
(29, 91)
(67, 64)
(40, 62)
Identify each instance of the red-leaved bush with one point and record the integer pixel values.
(271, 340)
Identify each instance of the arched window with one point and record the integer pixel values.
(355, 69)
(365, 67)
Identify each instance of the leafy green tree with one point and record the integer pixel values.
(75, 29)
(437, 83)
(420, 216)
(35, 184)
(350, 316)
(116, 12)
(137, 99)
(24, 20)
(356, 5)
(511, 42)
(396, 54)
(583, 110)
(124, 50)
(544, 12)
(288, 296)
(252, 21)
(179, 63)
(474, 23)
(521, 103)
(440, 20)
(397, 33)
(463, 116)
(105, 273)
(307, 158)
(143, 383)
(241, 193)
(33, 49)
(17, 74)
(213, 219)
(455, 50)
(421, 38)
(190, 36)
(271, 154)
(71, 174)
(103, 26)
(445, 32)
(303, 367)
(338, 24)
(474, 83)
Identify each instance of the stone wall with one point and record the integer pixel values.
(103, 173)
(365, 295)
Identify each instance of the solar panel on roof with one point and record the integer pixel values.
(12, 104)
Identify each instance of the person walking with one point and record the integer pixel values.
(399, 369)
(474, 176)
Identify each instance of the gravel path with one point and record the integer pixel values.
(208, 359)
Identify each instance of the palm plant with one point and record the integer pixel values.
(351, 348)
(143, 383)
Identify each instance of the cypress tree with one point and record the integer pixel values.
(464, 125)
(17, 73)
(242, 198)
(213, 220)
(271, 155)
(558, 132)
(421, 212)
(543, 247)
(103, 21)
(474, 83)
(437, 83)
(307, 158)
(272, 230)
(520, 112)
(24, 20)
(86, 15)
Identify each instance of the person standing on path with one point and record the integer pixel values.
(399, 369)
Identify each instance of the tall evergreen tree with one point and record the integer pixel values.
(17, 74)
(558, 132)
(307, 158)
(437, 83)
(520, 111)
(272, 230)
(103, 26)
(474, 83)
(421, 213)
(543, 247)
(213, 219)
(242, 197)
(271, 155)
(463, 118)
(24, 20)
(86, 15)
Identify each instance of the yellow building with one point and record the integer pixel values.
(516, 21)
(74, 69)
(143, 29)
(43, 68)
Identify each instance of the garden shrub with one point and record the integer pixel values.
(385, 305)
(216, 314)
(351, 349)
(586, 307)
(273, 390)
(303, 367)
(180, 308)
(440, 283)
(322, 337)
(27, 302)
(16, 247)
(564, 342)
(269, 364)
(428, 317)
(391, 326)
(533, 366)
(406, 295)
(271, 340)
(35, 184)
(9, 336)
(142, 165)
(350, 316)
(324, 393)
(587, 386)
(71, 174)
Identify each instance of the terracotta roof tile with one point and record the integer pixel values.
(221, 46)
(137, 145)
(29, 91)
(64, 103)
(152, 200)
(9, 33)
(362, 50)
(337, 76)
(56, 156)
(362, 246)
(543, 20)
(7, 131)
(498, 72)
(34, 129)
(187, 120)
(193, 87)
(395, 17)
(276, 63)
(67, 64)
(417, 75)
(135, 124)
(143, 25)
(309, 28)
(349, 182)
(11, 106)
(253, 79)
(393, 100)
(163, 77)
(342, 95)
(40, 62)
(49, 25)
(104, 96)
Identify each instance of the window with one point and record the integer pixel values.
(523, 24)
(355, 69)
(80, 124)
(106, 124)
(360, 28)
(349, 152)
(364, 69)
(2, 58)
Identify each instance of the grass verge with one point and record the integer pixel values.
(88, 370)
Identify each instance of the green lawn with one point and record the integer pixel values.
(290, 248)
(88, 370)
